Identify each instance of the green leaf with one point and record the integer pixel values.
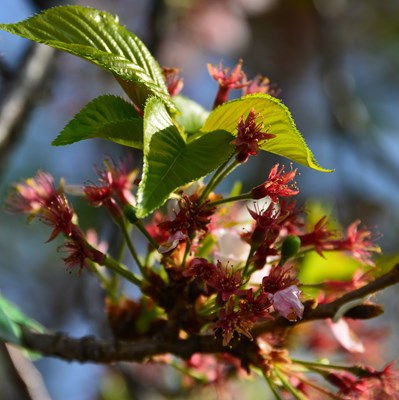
(108, 117)
(97, 37)
(335, 266)
(11, 319)
(192, 115)
(277, 120)
(170, 161)
(384, 263)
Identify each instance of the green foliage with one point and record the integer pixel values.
(11, 320)
(335, 266)
(277, 120)
(107, 117)
(384, 264)
(176, 151)
(97, 37)
(192, 115)
(171, 160)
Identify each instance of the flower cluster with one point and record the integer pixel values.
(246, 297)
(237, 79)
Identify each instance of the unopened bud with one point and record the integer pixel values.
(365, 311)
(290, 247)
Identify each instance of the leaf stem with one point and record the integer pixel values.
(144, 231)
(121, 223)
(272, 387)
(186, 252)
(121, 270)
(296, 393)
(107, 284)
(247, 263)
(224, 173)
(213, 181)
(320, 367)
(244, 196)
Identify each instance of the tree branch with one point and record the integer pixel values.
(328, 310)
(90, 349)
(17, 100)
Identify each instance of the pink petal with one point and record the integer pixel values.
(286, 302)
(345, 336)
(172, 242)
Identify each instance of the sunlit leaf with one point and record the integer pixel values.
(336, 266)
(108, 117)
(97, 37)
(170, 161)
(192, 115)
(277, 119)
(384, 263)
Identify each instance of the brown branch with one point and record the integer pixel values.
(328, 310)
(90, 349)
(19, 95)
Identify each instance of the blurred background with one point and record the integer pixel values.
(336, 63)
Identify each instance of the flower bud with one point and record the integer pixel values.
(365, 311)
(290, 247)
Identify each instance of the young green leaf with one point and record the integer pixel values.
(97, 37)
(170, 161)
(277, 120)
(192, 116)
(108, 117)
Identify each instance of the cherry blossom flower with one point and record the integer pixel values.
(249, 136)
(370, 384)
(38, 196)
(279, 278)
(32, 195)
(260, 84)
(320, 238)
(292, 221)
(231, 321)
(98, 195)
(286, 302)
(267, 224)
(173, 81)
(360, 242)
(78, 253)
(155, 231)
(172, 242)
(276, 185)
(201, 268)
(190, 218)
(385, 382)
(227, 80)
(115, 186)
(256, 306)
(346, 383)
(59, 215)
(265, 250)
(227, 282)
(280, 286)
